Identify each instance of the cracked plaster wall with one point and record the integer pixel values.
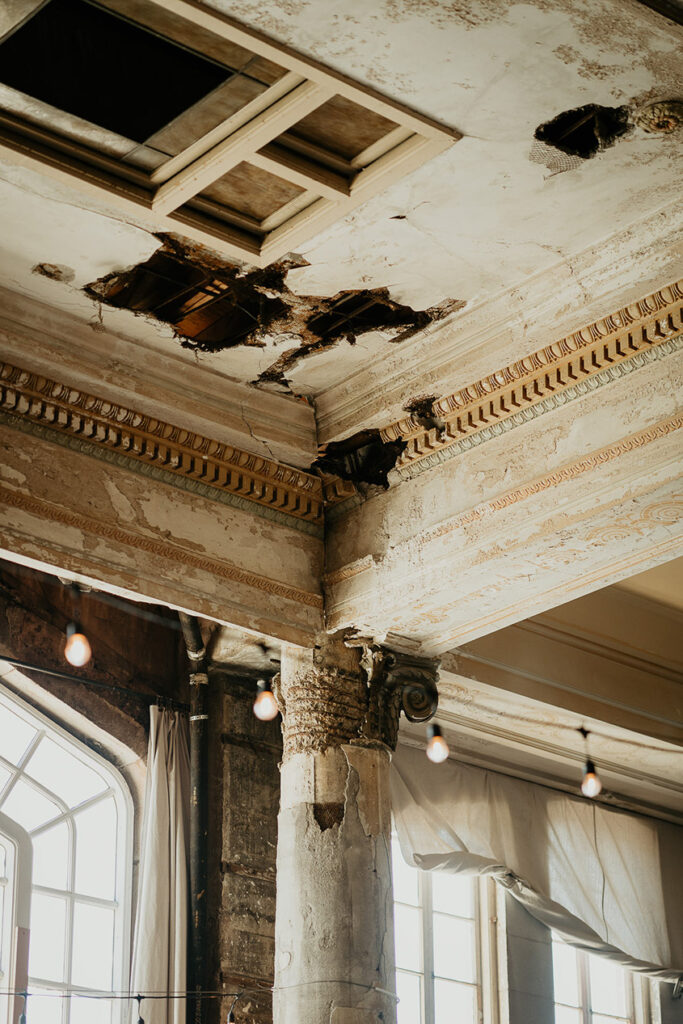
(334, 919)
(436, 558)
(75, 512)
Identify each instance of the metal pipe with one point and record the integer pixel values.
(199, 781)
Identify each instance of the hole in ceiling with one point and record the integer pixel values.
(98, 66)
(211, 307)
(363, 458)
(214, 306)
(585, 131)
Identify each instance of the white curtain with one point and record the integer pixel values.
(608, 882)
(161, 924)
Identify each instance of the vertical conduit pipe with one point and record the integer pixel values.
(199, 779)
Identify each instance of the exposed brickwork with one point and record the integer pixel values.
(249, 800)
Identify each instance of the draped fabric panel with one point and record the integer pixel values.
(607, 881)
(159, 961)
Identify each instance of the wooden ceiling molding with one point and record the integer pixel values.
(277, 153)
(600, 352)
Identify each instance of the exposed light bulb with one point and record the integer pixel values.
(77, 649)
(437, 748)
(591, 785)
(265, 705)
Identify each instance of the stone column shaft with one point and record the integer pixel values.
(334, 946)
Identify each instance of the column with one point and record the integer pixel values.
(334, 944)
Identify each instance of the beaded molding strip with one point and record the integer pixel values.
(143, 438)
(542, 376)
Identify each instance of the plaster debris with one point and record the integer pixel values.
(422, 410)
(585, 131)
(55, 271)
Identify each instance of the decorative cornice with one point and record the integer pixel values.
(106, 427)
(547, 378)
(160, 549)
(565, 473)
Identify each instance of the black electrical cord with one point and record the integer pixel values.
(149, 698)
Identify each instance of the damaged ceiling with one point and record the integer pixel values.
(524, 191)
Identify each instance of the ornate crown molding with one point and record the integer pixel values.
(213, 466)
(542, 380)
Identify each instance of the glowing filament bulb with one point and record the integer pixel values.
(265, 705)
(437, 748)
(591, 785)
(77, 649)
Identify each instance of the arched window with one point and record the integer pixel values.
(78, 814)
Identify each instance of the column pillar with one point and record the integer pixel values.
(334, 944)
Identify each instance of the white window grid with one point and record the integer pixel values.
(638, 1008)
(484, 942)
(16, 857)
(122, 901)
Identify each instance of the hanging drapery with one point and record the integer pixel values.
(607, 881)
(160, 942)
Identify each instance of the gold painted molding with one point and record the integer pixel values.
(152, 442)
(161, 549)
(544, 375)
(559, 476)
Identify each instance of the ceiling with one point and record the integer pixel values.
(495, 210)
(664, 584)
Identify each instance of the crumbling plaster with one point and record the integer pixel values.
(484, 539)
(149, 538)
(478, 219)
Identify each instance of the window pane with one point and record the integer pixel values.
(46, 948)
(58, 770)
(408, 933)
(51, 857)
(453, 894)
(4, 776)
(454, 953)
(44, 1007)
(405, 878)
(565, 974)
(454, 1004)
(28, 807)
(15, 735)
(608, 987)
(4, 966)
(96, 850)
(90, 1011)
(409, 1009)
(597, 1018)
(93, 946)
(567, 1015)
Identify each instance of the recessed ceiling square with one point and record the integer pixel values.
(84, 60)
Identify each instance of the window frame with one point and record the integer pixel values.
(16, 916)
(121, 903)
(485, 923)
(639, 1006)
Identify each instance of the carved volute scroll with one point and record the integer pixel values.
(396, 683)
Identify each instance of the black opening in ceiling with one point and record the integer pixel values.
(355, 313)
(585, 130)
(210, 310)
(88, 62)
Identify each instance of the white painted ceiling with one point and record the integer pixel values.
(482, 218)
